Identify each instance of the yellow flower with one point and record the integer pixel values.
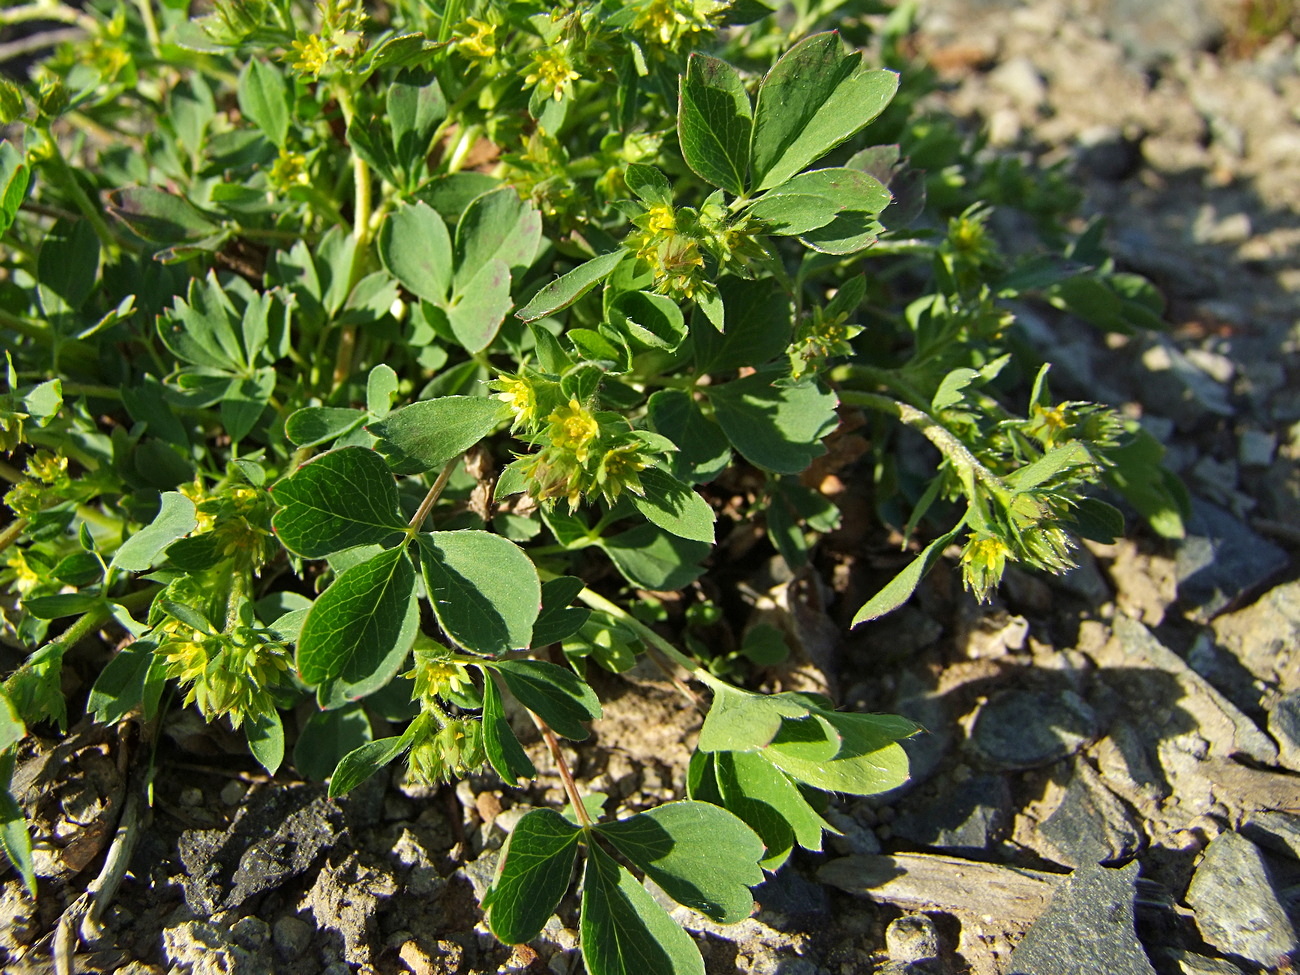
(662, 218)
(310, 55)
(517, 393)
(982, 562)
(435, 676)
(552, 71)
(25, 578)
(289, 169)
(481, 43)
(573, 428)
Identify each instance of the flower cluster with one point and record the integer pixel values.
(583, 451)
(443, 749)
(233, 674)
(339, 41)
(674, 24)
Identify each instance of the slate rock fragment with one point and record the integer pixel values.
(1237, 909)
(1024, 729)
(1090, 825)
(1087, 928)
(961, 817)
(1220, 561)
(278, 834)
(1275, 831)
(1284, 726)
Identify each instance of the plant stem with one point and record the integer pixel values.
(431, 498)
(49, 11)
(150, 25)
(596, 601)
(570, 786)
(10, 473)
(68, 182)
(361, 213)
(966, 463)
(10, 533)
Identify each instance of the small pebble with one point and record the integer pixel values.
(1255, 448)
(232, 792)
(191, 796)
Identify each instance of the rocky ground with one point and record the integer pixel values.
(1111, 778)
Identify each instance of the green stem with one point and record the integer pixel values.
(859, 373)
(150, 25)
(11, 474)
(648, 636)
(49, 11)
(9, 534)
(450, 17)
(431, 498)
(29, 329)
(361, 213)
(68, 182)
(967, 464)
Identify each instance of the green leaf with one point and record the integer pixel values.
(654, 559)
(739, 721)
(67, 266)
(315, 425)
(484, 589)
(701, 855)
(1156, 492)
(326, 737)
(950, 390)
(266, 738)
(848, 233)
(761, 795)
(414, 106)
(496, 226)
(244, 402)
(16, 841)
(811, 200)
(649, 184)
(765, 646)
(714, 122)
(14, 178)
(160, 217)
(674, 507)
(119, 688)
(778, 428)
(480, 309)
(558, 619)
(264, 99)
(361, 763)
(360, 629)
(499, 742)
(61, 604)
(869, 759)
(900, 588)
(12, 729)
(381, 389)
(340, 499)
(199, 328)
(1067, 457)
(558, 696)
(650, 321)
(416, 249)
(426, 435)
(814, 98)
(1097, 521)
(759, 323)
(176, 517)
(624, 931)
(703, 450)
(568, 288)
(532, 875)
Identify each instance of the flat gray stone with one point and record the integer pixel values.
(1284, 726)
(1087, 928)
(1024, 729)
(1220, 561)
(1236, 907)
(1090, 825)
(962, 817)
(1276, 831)
(1216, 718)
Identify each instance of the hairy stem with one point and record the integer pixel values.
(431, 498)
(566, 776)
(967, 464)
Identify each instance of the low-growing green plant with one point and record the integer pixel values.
(348, 348)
